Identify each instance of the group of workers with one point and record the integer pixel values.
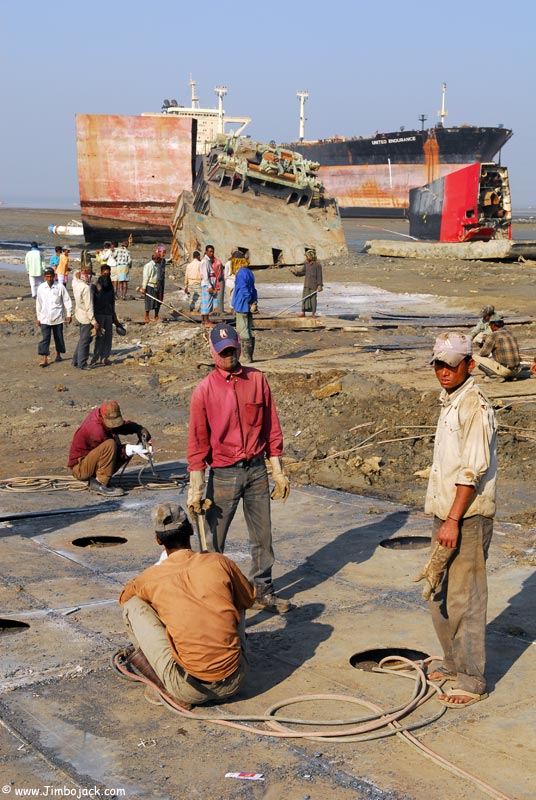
(234, 432)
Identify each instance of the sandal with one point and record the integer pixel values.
(448, 698)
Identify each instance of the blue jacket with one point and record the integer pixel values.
(245, 292)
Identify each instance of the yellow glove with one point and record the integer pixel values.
(195, 491)
(253, 307)
(281, 489)
(434, 569)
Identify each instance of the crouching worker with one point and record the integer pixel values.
(187, 617)
(96, 451)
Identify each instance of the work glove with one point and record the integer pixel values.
(136, 449)
(281, 489)
(144, 435)
(253, 307)
(196, 489)
(434, 569)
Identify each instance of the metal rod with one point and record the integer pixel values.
(175, 310)
(296, 303)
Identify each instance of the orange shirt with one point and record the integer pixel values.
(198, 597)
(63, 266)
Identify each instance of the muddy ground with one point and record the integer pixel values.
(339, 437)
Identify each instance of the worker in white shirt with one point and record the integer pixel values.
(53, 307)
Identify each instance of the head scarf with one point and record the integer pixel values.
(310, 254)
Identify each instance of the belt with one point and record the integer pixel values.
(194, 682)
(256, 461)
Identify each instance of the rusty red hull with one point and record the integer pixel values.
(131, 171)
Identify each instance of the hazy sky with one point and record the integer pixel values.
(367, 66)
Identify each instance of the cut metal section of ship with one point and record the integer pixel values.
(260, 199)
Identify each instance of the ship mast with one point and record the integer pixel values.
(302, 96)
(195, 100)
(442, 114)
(221, 91)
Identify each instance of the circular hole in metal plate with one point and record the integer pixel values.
(406, 542)
(12, 626)
(368, 659)
(99, 541)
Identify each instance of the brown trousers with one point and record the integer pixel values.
(459, 605)
(100, 463)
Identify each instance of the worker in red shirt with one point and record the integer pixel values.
(233, 427)
(97, 452)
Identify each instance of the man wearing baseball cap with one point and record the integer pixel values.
(499, 355)
(53, 307)
(233, 428)
(461, 496)
(97, 452)
(187, 615)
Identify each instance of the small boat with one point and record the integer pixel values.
(73, 228)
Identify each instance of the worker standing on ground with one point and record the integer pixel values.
(153, 282)
(35, 266)
(96, 451)
(312, 283)
(461, 496)
(104, 308)
(209, 285)
(187, 615)
(53, 307)
(192, 281)
(85, 315)
(499, 355)
(233, 427)
(482, 327)
(244, 304)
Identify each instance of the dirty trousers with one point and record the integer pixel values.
(100, 463)
(247, 482)
(459, 605)
(150, 635)
(81, 353)
(492, 367)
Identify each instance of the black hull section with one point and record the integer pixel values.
(370, 212)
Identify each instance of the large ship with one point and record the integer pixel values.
(372, 177)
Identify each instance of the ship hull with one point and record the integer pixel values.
(130, 172)
(373, 177)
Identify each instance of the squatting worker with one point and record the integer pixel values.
(187, 615)
(461, 496)
(312, 282)
(233, 426)
(53, 307)
(499, 355)
(97, 452)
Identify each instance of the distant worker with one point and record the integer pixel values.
(53, 307)
(209, 285)
(229, 276)
(85, 316)
(312, 284)
(153, 283)
(62, 270)
(482, 328)
(55, 259)
(187, 617)
(192, 281)
(220, 285)
(233, 428)
(97, 452)
(124, 261)
(35, 266)
(104, 309)
(499, 355)
(244, 303)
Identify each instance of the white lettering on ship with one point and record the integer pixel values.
(395, 141)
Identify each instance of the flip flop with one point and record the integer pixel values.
(451, 693)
